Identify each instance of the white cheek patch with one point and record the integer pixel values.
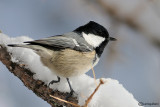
(92, 39)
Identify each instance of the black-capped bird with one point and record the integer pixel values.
(71, 54)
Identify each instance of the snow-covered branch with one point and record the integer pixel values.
(26, 65)
(26, 76)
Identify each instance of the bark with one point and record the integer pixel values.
(37, 86)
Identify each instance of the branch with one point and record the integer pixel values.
(37, 86)
(133, 18)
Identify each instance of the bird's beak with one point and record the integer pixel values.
(112, 39)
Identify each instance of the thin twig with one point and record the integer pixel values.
(91, 96)
(73, 104)
(94, 75)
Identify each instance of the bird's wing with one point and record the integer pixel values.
(62, 42)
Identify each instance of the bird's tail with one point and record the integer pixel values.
(15, 45)
(18, 45)
(33, 47)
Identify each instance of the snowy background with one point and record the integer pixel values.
(133, 60)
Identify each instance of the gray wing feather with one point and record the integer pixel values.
(57, 42)
(62, 42)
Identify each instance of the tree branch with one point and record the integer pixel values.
(131, 19)
(37, 86)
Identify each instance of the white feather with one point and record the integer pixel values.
(75, 42)
(92, 39)
(96, 61)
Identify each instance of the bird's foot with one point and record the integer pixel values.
(54, 81)
(70, 94)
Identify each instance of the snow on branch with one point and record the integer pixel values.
(26, 76)
(26, 65)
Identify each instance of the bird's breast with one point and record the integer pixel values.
(69, 62)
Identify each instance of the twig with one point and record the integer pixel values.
(91, 96)
(76, 105)
(94, 75)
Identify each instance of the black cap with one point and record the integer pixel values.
(93, 28)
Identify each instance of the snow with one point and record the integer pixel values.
(110, 94)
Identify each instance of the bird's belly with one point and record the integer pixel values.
(68, 63)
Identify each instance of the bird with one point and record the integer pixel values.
(71, 54)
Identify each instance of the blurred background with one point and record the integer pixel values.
(133, 60)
